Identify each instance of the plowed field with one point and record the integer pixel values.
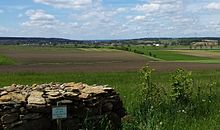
(39, 59)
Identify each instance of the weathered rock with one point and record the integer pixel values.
(55, 98)
(108, 89)
(30, 116)
(18, 97)
(3, 93)
(84, 96)
(36, 98)
(53, 93)
(8, 103)
(5, 98)
(9, 118)
(11, 88)
(75, 86)
(93, 90)
(70, 94)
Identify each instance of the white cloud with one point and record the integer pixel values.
(213, 6)
(121, 10)
(39, 18)
(92, 19)
(140, 18)
(148, 7)
(65, 3)
(160, 6)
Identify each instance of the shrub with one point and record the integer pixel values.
(181, 86)
(172, 106)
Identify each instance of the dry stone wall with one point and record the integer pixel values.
(25, 107)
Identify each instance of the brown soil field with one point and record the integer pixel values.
(109, 67)
(68, 60)
(78, 60)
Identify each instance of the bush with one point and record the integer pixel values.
(150, 54)
(181, 86)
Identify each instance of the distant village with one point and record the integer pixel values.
(194, 43)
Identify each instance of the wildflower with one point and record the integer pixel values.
(183, 111)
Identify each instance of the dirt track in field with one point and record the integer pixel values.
(88, 61)
(108, 67)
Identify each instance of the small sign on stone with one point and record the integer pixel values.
(59, 112)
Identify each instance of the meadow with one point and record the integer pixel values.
(150, 97)
(178, 54)
(130, 88)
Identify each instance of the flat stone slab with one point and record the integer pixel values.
(36, 98)
(5, 98)
(93, 90)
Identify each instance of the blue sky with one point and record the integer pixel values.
(110, 19)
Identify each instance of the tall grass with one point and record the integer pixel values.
(182, 105)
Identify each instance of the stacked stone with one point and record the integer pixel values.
(25, 107)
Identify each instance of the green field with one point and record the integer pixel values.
(128, 84)
(173, 54)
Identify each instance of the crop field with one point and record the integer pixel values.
(121, 70)
(54, 59)
(69, 59)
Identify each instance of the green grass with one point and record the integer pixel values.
(167, 54)
(6, 60)
(174, 56)
(128, 84)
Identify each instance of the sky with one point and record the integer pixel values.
(109, 19)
